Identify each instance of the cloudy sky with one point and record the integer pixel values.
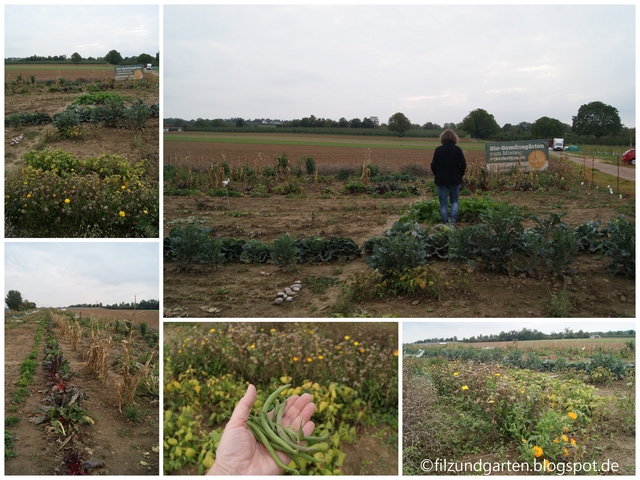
(414, 331)
(432, 63)
(57, 274)
(90, 30)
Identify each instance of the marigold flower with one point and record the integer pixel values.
(212, 330)
(573, 442)
(572, 415)
(464, 387)
(146, 212)
(564, 438)
(362, 350)
(309, 359)
(546, 463)
(355, 344)
(524, 441)
(555, 440)
(347, 337)
(320, 357)
(395, 353)
(122, 214)
(497, 375)
(455, 374)
(565, 452)
(66, 200)
(272, 330)
(537, 451)
(295, 359)
(253, 346)
(28, 195)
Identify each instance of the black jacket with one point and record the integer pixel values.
(448, 165)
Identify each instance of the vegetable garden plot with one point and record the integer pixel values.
(500, 406)
(74, 414)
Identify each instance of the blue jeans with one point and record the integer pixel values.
(442, 196)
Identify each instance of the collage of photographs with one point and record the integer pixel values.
(433, 276)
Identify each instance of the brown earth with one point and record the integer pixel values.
(150, 317)
(240, 290)
(121, 444)
(97, 140)
(329, 159)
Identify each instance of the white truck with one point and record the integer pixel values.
(558, 144)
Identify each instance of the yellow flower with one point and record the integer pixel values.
(565, 452)
(464, 387)
(124, 186)
(347, 337)
(28, 195)
(122, 214)
(537, 451)
(546, 464)
(295, 359)
(202, 343)
(362, 350)
(320, 357)
(309, 359)
(179, 351)
(555, 440)
(564, 438)
(521, 391)
(24, 183)
(272, 330)
(54, 195)
(146, 212)
(355, 344)
(573, 442)
(455, 374)
(524, 441)
(497, 375)
(66, 200)
(572, 415)
(253, 346)
(395, 353)
(212, 330)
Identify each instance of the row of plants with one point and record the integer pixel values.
(598, 367)
(27, 370)
(59, 195)
(33, 84)
(208, 368)
(501, 243)
(192, 244)
(456, 407)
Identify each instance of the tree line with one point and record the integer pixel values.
(527, 334)
(113, 57)
(141, 305)
(594, 123)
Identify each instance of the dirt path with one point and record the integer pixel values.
(626, 172)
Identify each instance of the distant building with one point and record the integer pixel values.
(173, 129)
(595, 336)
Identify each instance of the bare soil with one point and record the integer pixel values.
(97, 140)
(240, 290)
(150, 317)
(121, 444)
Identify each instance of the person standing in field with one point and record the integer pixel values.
(448, 166)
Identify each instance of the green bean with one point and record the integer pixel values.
(260, 436)
(273, 396)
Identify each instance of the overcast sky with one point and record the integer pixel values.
(90, 30)
(414, 331)
(432, 63)
(58, 274)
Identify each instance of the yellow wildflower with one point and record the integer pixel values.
(565, 452)
(395, 353)
(572, 415)
(146, 212)
(320, 357)
(309, 359)
(272, 330)
(122, 214)
(253, 346)
(66, 200)
(455, 374)
(573, 442)
(28, 195)
(537, 451)
(464, 387)
(347, 337)
(564, 438)
(295, 359)
(362, 350)
(212, 330)
(355, 344)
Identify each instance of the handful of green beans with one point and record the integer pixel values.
(275, 436)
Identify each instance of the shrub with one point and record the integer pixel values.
(310, 165)
(396, 254)
(620, 246)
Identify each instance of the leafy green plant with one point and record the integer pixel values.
(283, 252)
(620, 246)
(396, 254)
(254, 251)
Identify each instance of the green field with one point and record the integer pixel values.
(314, 140)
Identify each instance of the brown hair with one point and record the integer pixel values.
(448, 136)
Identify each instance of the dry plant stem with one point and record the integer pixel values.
(126, 390)
(97, 354)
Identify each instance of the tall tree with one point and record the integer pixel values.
(480, 124)
(13, 300)
(597, 119)
(113, 57)
(546, 127)
(399, 123)
(75, 57)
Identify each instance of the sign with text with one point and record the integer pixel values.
(128, 72)
(528, 155)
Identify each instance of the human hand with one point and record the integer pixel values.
(239, 453)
